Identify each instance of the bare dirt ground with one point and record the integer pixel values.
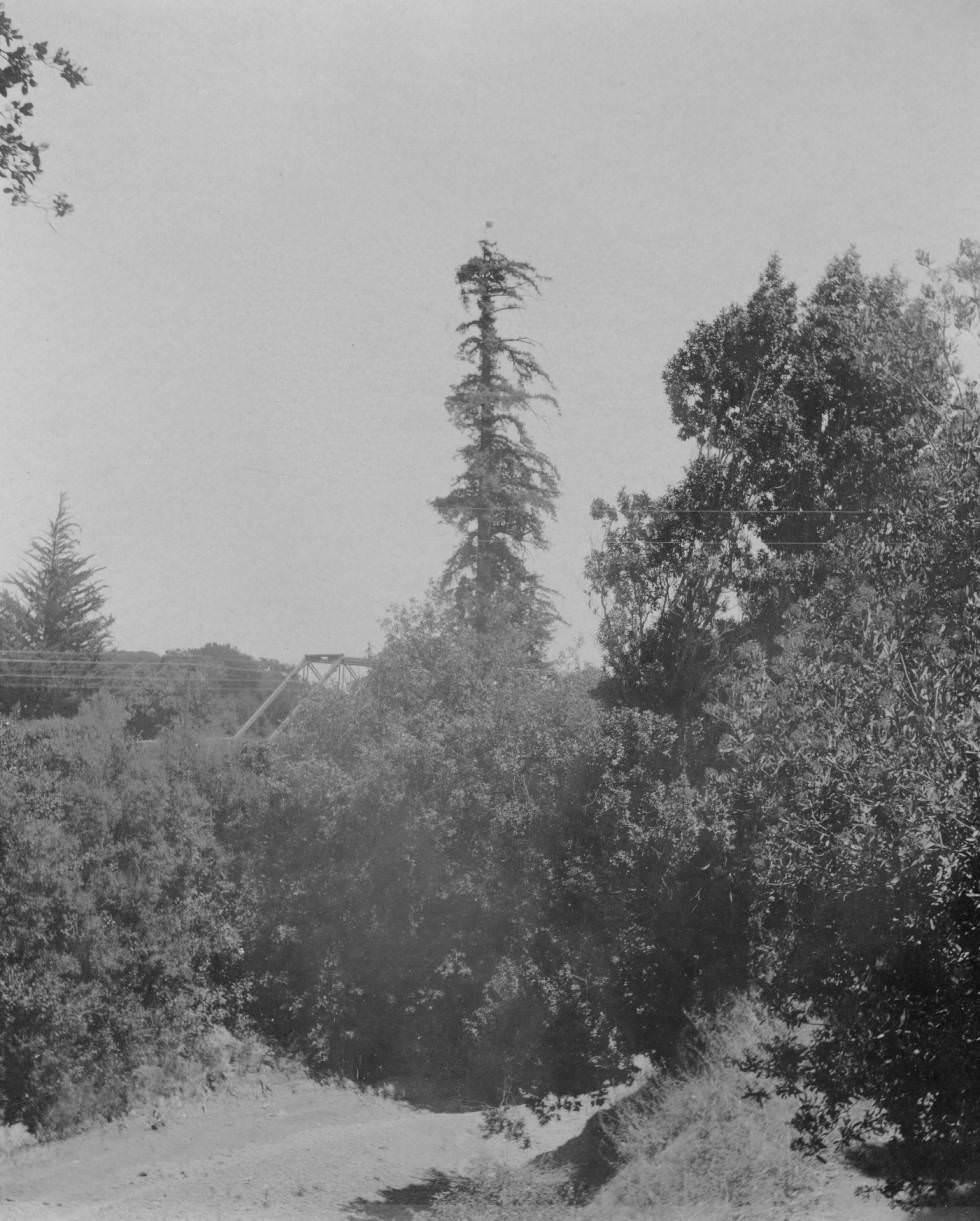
(280, 1148)
(273, 1148)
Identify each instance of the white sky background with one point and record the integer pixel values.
(233, 357)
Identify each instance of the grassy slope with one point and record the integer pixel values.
(689, 1147)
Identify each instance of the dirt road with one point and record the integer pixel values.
(279, 1150)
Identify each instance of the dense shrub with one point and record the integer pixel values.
(388, 848)
(466, 869)
(112, 917)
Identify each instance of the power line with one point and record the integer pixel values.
(733, 509)
(735, 512)
(36, 679)
(689, 542)
(163, 664)
(37, 670)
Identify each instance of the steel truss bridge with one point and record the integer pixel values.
(317, 670)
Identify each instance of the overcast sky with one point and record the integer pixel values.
(234, 356)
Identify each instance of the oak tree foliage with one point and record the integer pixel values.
(858, 774)
(805, 416)
(803, 608)
(21, 64)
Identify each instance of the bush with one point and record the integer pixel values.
(388, 849)
(112, 917)
(465, 869)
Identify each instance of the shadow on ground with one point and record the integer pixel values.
(404, 1203)
(575, 1171)
(432, 1094)
(880, 1161)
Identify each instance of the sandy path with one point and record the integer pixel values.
(292, 1149)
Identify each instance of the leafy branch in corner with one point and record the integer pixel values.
(20, 155)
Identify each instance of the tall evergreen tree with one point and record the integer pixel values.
(508, 486)
(51, 619)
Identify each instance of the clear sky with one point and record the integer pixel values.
(234, 356)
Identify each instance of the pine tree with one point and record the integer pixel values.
(508, 486)
(51, 620)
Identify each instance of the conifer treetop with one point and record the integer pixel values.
(508, 486)
(55, 600)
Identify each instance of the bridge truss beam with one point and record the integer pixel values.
(315, 669)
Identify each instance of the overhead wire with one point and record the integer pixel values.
(70, 658)
(47, 671)
(233, 676)
(731, 510)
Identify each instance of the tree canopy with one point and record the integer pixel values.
(801, 607)
(806, 416)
